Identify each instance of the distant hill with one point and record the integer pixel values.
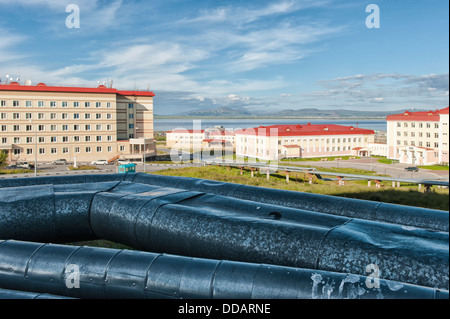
(227, 112)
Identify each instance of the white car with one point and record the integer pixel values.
(100, 162)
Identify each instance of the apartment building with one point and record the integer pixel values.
(419, 138)
(303, 141)
(75, 123)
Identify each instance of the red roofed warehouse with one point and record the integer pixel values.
(78, 124)
(303, 141)
(419, 138)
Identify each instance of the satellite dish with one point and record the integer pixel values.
(27, 82)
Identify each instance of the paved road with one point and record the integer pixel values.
(393, 170)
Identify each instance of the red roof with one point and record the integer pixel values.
(305, 130)
(430, 116)
(42, 87)
(291, 146)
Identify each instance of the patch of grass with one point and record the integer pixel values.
(82, 167)
(100, 243)
(387, 161)
(435, 167)
(15, 171)
(318, 159)
(406, 195)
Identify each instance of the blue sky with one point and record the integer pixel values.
(256, 55)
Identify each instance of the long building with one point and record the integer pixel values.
(75, 123)
(303, 141)
(419, 138)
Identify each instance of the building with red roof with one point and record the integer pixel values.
(80, 124)
(419, 138)
(303, 141)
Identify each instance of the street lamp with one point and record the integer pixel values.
(143, 155)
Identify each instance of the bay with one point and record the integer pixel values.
(189, 124)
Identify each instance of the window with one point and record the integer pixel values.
(41, 139)
(16, 103)
(65, 139)
(29, 128)
(77, 149)
(52, 104)
(53, 139)
(87, 116)
(399, 124)
(53, 127)
(41, 128)
(420, 125)
(108, 116)
(99, 138)
(29, 151)
(42, 151)
(53, 150)
(76, 127)
(65, 127)
(76, 116)
(98, 116)
(3, 103)
(87, 104)
(98, 127)
(16, 116)
(99, 149)
(428, 125)
(405, 124)
(52, 116)
(17, 152)
(17, 140)
(40, 103)
(436, 145)
(436, 135)
(41, 116)
(76, 104)
(28, 104)
(16, 128)
(76, 138)
(109, 149)
(108, 105)
(131, 126)
(3, 116)
(130, 105)
(88, 149)
(122, 148)
(28, 116)
(98, 104)
(436, 125)
(4, 140)
(87, 138)
(64, 116)
(64, 104)
(65, 150)
(87, 127)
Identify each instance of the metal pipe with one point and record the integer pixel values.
(87, 272)
(193, 223)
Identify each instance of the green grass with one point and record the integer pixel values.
(406, 195)
(81, 167)
(387, 161)
(435, 167)
(318, 159)
(15, 171)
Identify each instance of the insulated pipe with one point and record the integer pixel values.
(371, 210)
(87, 272)
(170, 220)
(14, 294)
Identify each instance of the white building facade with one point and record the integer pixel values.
(419, 138)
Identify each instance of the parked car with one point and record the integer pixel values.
(25, 165)
(412, 169)
(100, 162)
(61, 161)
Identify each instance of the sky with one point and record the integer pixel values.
(254, 55)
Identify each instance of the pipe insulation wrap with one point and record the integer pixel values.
(363, 209)
(178, 221)
(111, 273)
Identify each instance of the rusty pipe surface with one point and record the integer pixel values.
(100, 273)
(198, 224)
